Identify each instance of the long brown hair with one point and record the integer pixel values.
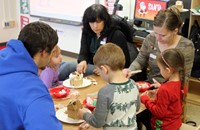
(174, 58)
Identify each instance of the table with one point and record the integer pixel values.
(83, 93)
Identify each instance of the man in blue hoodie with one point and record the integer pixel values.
(25, 103)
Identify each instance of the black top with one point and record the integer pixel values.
(90, 44)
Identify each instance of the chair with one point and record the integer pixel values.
(189, 127)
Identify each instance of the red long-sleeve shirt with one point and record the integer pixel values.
(166, 108)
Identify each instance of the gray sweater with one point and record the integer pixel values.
(149, 51)
(116, 108)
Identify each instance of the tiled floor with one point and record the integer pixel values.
(193, 111)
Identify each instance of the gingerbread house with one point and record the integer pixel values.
(72, 109)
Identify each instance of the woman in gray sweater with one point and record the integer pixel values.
(167, 24)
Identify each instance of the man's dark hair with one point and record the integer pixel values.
(38, 36)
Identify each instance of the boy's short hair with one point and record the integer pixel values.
(111, 55)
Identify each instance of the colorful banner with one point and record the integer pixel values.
(24, 21)
(24, 9)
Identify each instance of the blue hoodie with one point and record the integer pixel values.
(25, 102)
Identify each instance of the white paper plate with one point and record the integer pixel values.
(62, 116)
(86, 83)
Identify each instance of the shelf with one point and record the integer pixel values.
(193, 98)
(194, 15)
(193, 95)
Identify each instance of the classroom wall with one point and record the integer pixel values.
(69, 35)
(8, 12)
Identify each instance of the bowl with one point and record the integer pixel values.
(59, 92)
(92, 105)
(143, 86)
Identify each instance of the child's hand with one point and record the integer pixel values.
(144, 97)
(145, 93)
(127, 73)
(96, 71)
(81, 112)
(156, 84)
(152, 93)
(83, 126)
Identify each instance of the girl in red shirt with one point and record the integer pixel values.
(166, 106)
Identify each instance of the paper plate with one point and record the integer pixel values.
(63, 116)
(86, 83)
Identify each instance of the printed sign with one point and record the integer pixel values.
(24, 9)
(147, 9)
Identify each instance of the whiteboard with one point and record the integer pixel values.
(60, 10)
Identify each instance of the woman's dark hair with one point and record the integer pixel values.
(169, 18)
(38, 36)
(93, 13)
(174, 58)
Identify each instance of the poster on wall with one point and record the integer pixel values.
(24, 9)
(24, 21)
